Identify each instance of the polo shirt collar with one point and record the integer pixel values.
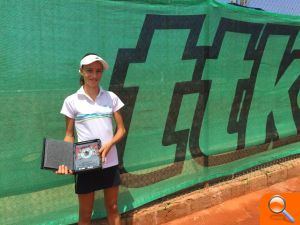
(82, 92)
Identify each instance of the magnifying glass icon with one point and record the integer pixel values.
(277, 205)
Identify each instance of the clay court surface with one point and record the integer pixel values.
(243, 210)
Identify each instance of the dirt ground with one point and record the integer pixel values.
(243, 210)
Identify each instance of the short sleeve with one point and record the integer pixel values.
(117, 103)
(68, 108)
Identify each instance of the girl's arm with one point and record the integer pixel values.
(120, 133)
(69, 137)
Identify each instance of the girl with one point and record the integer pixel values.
(90, 110)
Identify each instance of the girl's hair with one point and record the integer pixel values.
(81, 80)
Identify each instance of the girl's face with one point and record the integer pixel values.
(92, 74)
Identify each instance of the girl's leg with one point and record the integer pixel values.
(86, 203)
(110, 200)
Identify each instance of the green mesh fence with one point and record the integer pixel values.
(210, 90)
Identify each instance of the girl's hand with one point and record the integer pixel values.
(62, 169)
(103, 151)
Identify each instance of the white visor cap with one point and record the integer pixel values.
(93, 58)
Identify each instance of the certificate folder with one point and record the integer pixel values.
(79, 157)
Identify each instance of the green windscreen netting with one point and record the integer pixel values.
(210, 90)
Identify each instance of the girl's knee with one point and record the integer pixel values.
(85, 215)
(112, 208)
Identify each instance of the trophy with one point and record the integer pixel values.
(78, 157)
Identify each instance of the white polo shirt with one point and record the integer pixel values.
(93, 119)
